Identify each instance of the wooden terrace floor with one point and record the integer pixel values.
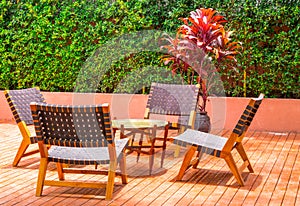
(274, 156)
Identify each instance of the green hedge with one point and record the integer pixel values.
(46, 43)
(270, 36)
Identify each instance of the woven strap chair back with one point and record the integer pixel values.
(247, 116)
(73, 126)
(19, 101)
(172, 99)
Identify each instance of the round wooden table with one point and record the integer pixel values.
(138, 123)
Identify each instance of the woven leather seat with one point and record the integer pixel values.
(218, 146)
(79, 135)
(18, 101)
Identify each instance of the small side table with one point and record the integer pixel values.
(143, 136)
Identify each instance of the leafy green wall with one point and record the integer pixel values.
(45, 43)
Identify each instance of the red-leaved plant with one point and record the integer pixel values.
(201, 38)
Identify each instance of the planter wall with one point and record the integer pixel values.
(276, 115)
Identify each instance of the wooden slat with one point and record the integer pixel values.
(74, 184)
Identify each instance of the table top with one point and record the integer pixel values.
(138, 123)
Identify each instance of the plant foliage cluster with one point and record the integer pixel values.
(45, 43)
(201, 43)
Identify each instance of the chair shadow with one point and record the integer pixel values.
(220, 178)
(28, 163)
(140, 169)
(82, 193)
(145, 173)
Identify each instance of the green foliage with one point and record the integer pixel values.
(270, 35)
(46, 43)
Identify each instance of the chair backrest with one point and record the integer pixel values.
(19, 103)
(73, 126)
(244, 122)
(172, 99)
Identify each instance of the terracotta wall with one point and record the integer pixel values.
(122, 105)
(276, 115)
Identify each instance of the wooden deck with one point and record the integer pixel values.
(274, 156)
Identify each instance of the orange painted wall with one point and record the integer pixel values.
(276, 115)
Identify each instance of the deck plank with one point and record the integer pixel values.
(275, 181)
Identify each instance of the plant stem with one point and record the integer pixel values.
(245, 85)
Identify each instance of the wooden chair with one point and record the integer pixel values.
(18, 101)
(80, 135)
(179, 102)
(219, 146)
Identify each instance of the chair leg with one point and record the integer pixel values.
(61, 175)
(151, 161)
(110, 181)
(234, 169)
(41, 176)
(21, 151)
(123, 169)
(177, 151)
(152, 149)
(163, 154)
(199, 155)
(186, 162)
(241, 151)
(140, 146)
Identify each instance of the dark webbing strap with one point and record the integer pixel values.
(172, 99)
(19, 101)
(72, 126)
(246, 118)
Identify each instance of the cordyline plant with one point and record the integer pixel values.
(201, 39)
